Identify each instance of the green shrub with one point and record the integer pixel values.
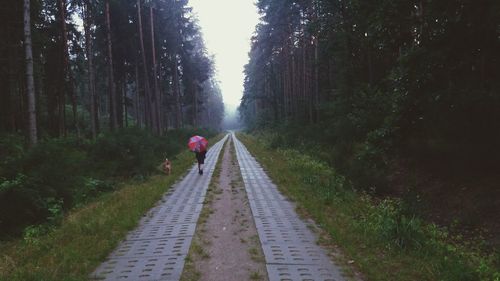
(316, 177)
(21, 203)
(91, 188)
(388, 222)
(46, 178)
(124, 153)
(57, 167)
(136, 152)
(12, 148)
(363, 160)
(38, 184)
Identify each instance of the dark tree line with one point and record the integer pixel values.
(83, 66)
(373, 72)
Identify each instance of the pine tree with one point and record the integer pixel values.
(30, 84)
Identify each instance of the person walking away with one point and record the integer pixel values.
(200, 157)
(199, 146)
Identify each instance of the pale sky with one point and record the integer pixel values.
(227, 27)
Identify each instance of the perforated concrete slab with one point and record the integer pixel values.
(184, 208)
(142, 269)
(161, 231)
(153, 247)
(302, 273)
(187, 193)
(289, 246)
(273, 202)
(256, 195)
(293, 252)
(173, 218)
(157, 248)
(271, 210)
(185, 200)
(279, 223)
(275, 235)
(185, 214)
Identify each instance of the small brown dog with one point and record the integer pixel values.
(167, 166)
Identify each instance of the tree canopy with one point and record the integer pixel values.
(101, 65)
(393, 72)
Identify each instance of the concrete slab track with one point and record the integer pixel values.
(289, 246)
(156, 250)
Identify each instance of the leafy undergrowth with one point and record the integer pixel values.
(40, 184)
(384, 241)
(73, 249)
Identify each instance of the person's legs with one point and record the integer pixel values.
(201, 160)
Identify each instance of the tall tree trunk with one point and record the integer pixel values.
(348, 49)
(87, 23)
(155, 78)
(305, 100)
(195, 103)
(316, 78)
(12, 64)
(30, 82)
(63, 70)
(209, 114)
(273, 85)
(119, 98)
(178, 113)
(124, 110)
(286, 83)
(279, 92)
(316, 99)
(137, 109)
(69, 80)
(163, 111)
(293, 87)
(147, 89)
(111, 79)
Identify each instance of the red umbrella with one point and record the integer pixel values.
(197, 144)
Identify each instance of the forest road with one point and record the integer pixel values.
(236, 226)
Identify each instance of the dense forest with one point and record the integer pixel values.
(94, 93)
(378, 119)
(425, 71)
(377, 88)
(81, 67)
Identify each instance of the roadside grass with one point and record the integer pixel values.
(255, 275)
(72, 250)
(377, 237)
(256, 255)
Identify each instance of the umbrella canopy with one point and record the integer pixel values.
(197, 144)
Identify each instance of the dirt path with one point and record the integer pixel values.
(226, 246)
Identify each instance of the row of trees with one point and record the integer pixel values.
(378, 70)
(84, 65)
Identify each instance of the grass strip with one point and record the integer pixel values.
(87, 235)
(375, 236)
